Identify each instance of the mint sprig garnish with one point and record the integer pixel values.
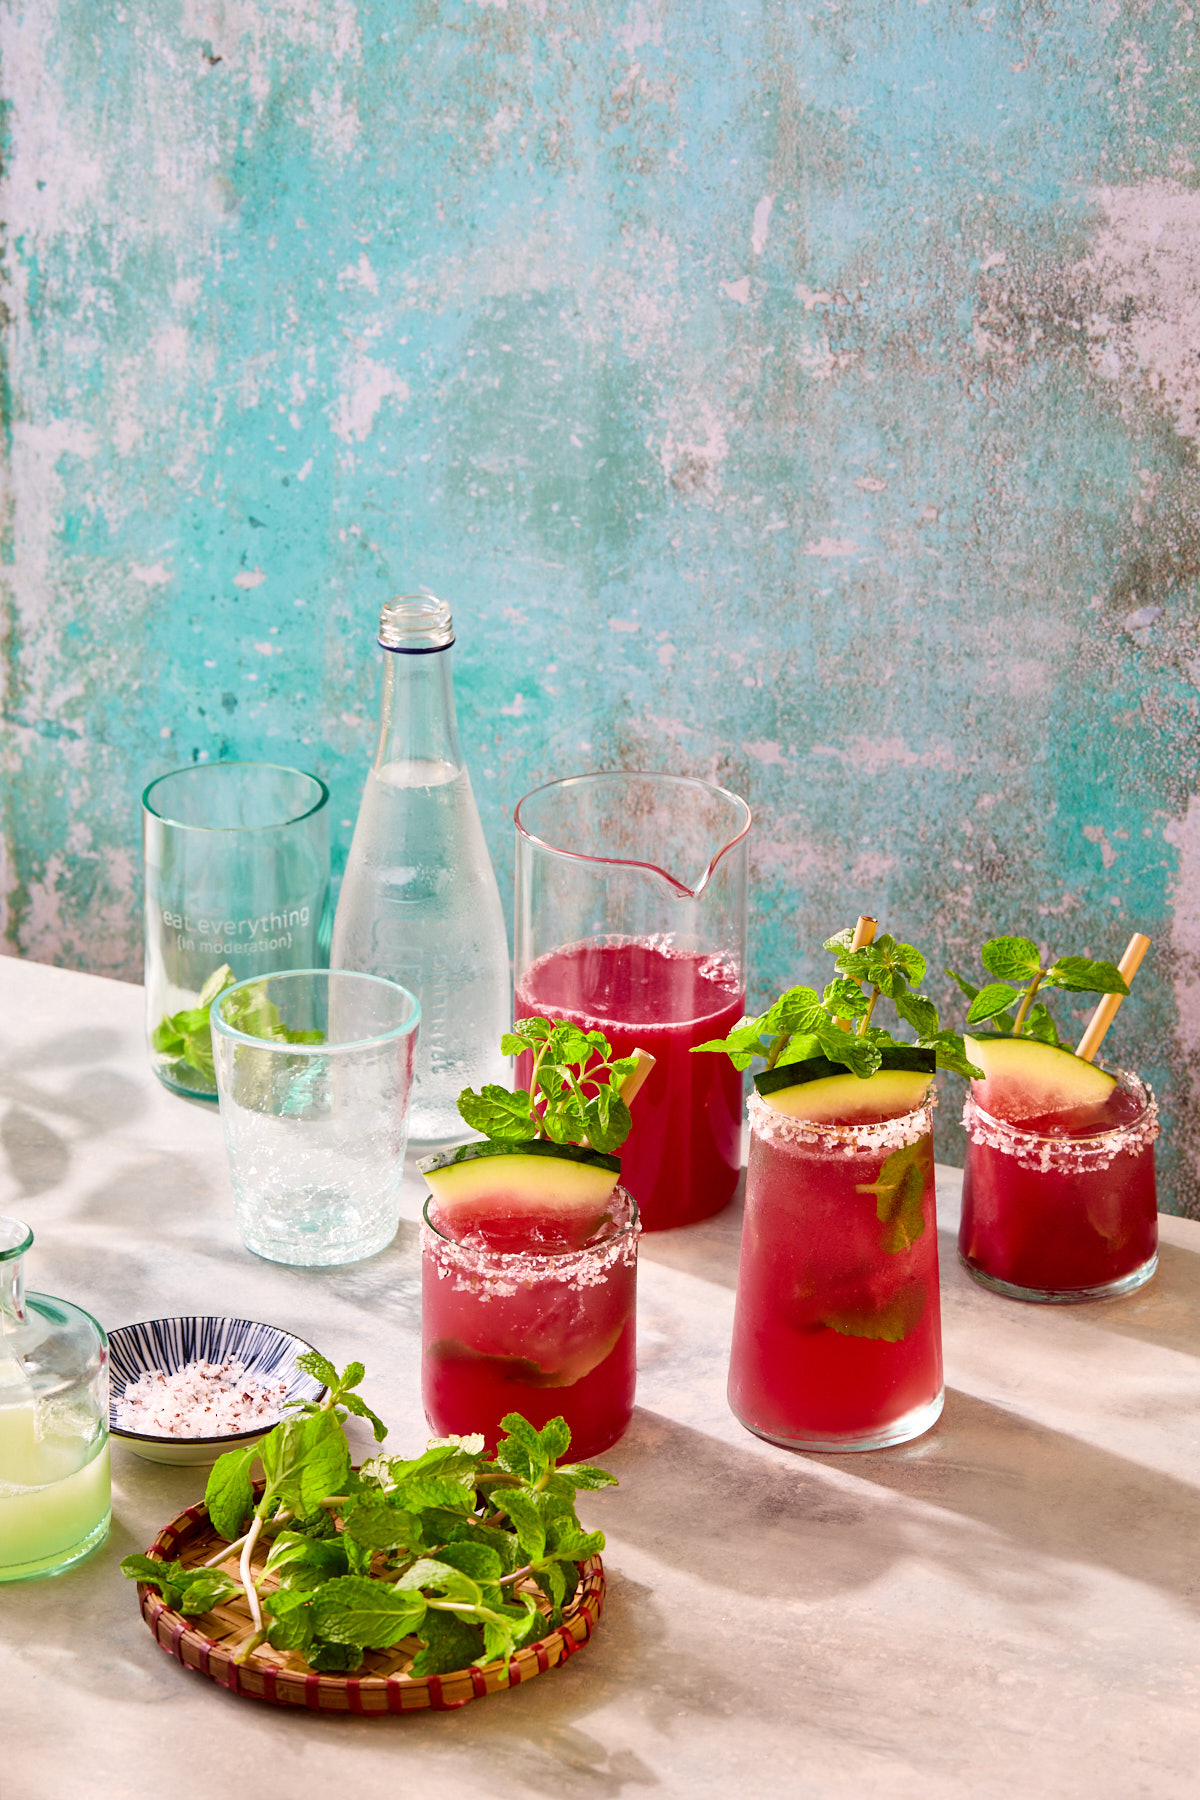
(1008, 1001)
(572, 1096)
(840, 1022)
(450, 1547)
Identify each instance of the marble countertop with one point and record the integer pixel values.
(1008, 1605)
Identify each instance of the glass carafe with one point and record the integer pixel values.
(419, 902)
(631, 919)
(54, 1482)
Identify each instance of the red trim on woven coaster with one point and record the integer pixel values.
(541, 1655)
(312, 1692)
(479, 1685)
(437, 1698)
(270, 1684)
(205, 1648)
(354, 1699)
(514, 1672)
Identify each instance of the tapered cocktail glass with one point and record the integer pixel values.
(1061, 1214)
(631, 920)
(837, 1333)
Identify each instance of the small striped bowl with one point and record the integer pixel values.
(267, 1352)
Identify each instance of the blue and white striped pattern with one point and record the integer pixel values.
(170, 1344)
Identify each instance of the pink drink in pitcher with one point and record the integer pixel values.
(681, 1160)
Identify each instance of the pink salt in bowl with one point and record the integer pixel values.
(186, 1390)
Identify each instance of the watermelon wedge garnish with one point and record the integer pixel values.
(1041, 1086)
(527, 1196)
(827, 1093)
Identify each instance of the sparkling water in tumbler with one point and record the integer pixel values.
(419, 902)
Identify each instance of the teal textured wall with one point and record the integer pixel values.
(801, 396)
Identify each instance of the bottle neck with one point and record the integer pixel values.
(417, 722)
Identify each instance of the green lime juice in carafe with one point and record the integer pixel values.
(54, 1477)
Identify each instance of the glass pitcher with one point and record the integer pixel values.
(631, 919)
(54, 1480)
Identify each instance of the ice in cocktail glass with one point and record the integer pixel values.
(837, 1329)
(1059, 1202)
(530, 1317)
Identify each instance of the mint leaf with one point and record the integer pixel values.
(844, 999)
(951, 1054)
(335, 1659)
(798, 1009)
(450, 1643)
(743, 1044)
(1079, 975)
(522, 1433)
(889, 1323)
(899, 1191)
(919, 1012)
(504, 1117)
(1012, 958)
(302, 1562)
(861, 1055)
(1039, 1024)
(995, 998)
(478, 1561)
(961, 982)
(355, 1404)
(353, 1609)
(555, 1438)
(583, 1475)
(526, 1519)
(841, 940)
(229, 1494)
(608, 1120)
(318, 1366)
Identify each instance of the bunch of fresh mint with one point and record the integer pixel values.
(187, 1037)
(839, 1023)
(572, 1096)
(1016, 963)
(445, 1548)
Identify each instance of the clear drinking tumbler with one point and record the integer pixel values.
(237, 879)
(315, 1069)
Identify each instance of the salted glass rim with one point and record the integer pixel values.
(377, 1039)
(1139, 1088)
(505, 1257)
(291, 818)
(627, 862)
(841, 1133)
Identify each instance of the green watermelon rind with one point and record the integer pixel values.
(821, 1068)
(579, 1153)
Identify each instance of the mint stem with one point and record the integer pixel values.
(1030, 991)
(866, 1018)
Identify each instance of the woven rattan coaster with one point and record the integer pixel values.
(209, 1641)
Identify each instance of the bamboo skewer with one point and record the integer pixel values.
(633, 1083)
(1104, 1014)
(864, 934)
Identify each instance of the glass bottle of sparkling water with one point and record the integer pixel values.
(419, 901)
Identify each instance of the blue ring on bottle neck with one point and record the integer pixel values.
(414, 649)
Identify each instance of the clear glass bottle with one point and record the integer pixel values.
(54, 1480)
(419, 901)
